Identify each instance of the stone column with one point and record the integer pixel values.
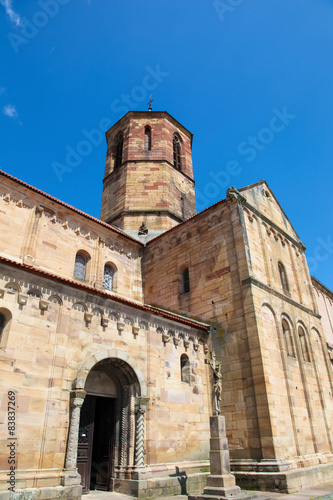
(71, 476)
(139, 463)
(140, 437)
(221, 484)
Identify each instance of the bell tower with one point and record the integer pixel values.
(148, 173)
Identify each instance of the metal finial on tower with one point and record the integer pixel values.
(149, 103)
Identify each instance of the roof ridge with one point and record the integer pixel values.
(66, 205)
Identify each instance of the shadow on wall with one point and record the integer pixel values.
(182, 478)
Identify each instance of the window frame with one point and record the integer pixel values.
(304, 343)
(84, 255)
(283, 277)
(185, 369)
(288, 338)
(111, 267)
(185, 281)
(177, 150)
(147, 138)
(119, 152)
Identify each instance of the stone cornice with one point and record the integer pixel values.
(320, 286)
(106, 295)
(263, 217)
(259, 284)
(136, 211)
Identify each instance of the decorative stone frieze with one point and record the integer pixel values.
(120, 327)
(43, 305)
(88, 317)
(22, 299)
(105, 321)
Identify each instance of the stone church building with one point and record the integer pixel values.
(110, 329)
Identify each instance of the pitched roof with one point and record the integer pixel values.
(76, 210)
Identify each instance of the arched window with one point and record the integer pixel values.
(147, 138)
(108, 277)
(283, 277)
(288, 339)
(119, 152)
(186, 280)
(185, 368)
(5, 317)
(304, 344)
(80, 266)
(2, 323)
(177, 162)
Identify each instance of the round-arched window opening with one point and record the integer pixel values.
(5, 318)
(185, 368)
(177, 161)
(2, 323)
(80, 266)
(147, 138)
(108, 277)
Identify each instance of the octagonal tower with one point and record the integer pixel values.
(148, 173)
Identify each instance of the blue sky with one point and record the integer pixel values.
(224, 69)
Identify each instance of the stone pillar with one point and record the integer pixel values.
(140, 437)
(139, 464)
(71, 475)
(221, 484)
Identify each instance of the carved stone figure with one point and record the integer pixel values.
(143, 229)
(234, 194)
(217, 383)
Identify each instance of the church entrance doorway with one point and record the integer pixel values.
(96, 441)
(107, 425)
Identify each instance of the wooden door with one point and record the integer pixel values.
(85, 442)
(103, 443)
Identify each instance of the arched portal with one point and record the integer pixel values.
(108, 403)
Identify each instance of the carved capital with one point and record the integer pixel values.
(142, 402)
(77, 397)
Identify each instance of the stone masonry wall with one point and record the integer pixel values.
(211, 246)
(46, 340)
(147, 182)
(50, 235)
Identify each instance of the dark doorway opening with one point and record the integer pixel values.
(95, 446)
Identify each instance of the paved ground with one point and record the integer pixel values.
(324, 492)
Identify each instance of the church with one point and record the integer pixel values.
(121, 336)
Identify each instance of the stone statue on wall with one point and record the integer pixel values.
(143, 229)
(217, 382)
(234, 194)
